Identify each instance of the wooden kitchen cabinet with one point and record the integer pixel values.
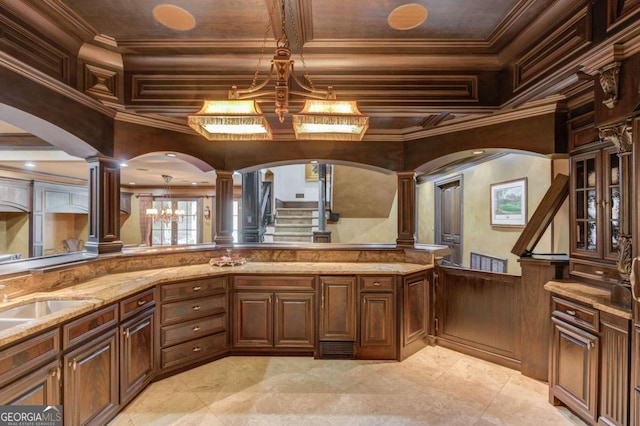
(193, 322)
(91, 392)
(281, 318)
(377, 325)
(137, 360)
(595, 213)
(337, 308)
(589, 368)
(40, 387)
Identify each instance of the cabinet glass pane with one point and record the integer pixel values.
(591, 172)
(591, 235)
(580, 203)
(580, 175)
(614, 164)
(581, 235)
(591, 204)
(615, 231)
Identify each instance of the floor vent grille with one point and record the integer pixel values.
(337, 350)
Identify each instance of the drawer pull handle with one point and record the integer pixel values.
(141, 302)
(196, 308)
(571, 312)
(197, 349)
(197, 288)
(196, 328)
(598, 272)
(376, 283)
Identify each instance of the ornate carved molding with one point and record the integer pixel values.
(609, 83)
(620, 136)
(624, 257)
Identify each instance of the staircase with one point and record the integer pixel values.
(293, 225)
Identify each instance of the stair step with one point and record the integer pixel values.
(281, 229)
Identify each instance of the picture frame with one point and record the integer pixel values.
(509, 203)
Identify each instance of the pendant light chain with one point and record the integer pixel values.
(306, 74)
(264, 44)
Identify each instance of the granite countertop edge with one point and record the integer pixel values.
(107, 289)
(596, 297)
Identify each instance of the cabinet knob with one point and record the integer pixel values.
(197, 349)
(571, 312)
(196, 328)
(197, 288)
(196, 308)
(592, 345)
(141, 302)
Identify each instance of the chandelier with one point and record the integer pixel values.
(166, 215)
(239, 117)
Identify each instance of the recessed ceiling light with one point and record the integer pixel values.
(171, 154)
(478, 152)
(174, 17)
(132, 183)
(407, 16)
(30, 164)
(194, 183)
(124, 164)
(314, 161)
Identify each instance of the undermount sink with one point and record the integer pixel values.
(6, 323)
(33, 310)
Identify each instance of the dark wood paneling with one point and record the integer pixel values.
(19, 358)
(89, 326)
(480, 311)
(41, 387)
(377, 326)
(137, 361)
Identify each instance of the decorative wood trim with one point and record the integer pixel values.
(19, 40)
(619, 135)
(101, 83)
(562, 42)
(619, 11)
(609, 83)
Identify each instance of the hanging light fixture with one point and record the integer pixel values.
(240, 118)
(166, 215)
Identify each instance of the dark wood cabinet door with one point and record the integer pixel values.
(41, 387)
(573, 378)
(377, 326)
(415, 305)
(91, 382)
(614, 369)
(253, 320)
(137, 363)
(337, 308)
(294, 320)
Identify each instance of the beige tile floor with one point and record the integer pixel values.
(436, 386)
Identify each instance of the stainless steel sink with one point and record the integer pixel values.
(37, 309)
(6, 323)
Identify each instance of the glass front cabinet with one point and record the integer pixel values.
(595, 213)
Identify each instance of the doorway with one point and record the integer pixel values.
(448, 217)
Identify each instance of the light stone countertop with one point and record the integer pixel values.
(109, 288)
(596, 297)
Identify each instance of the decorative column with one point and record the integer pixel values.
(251, 220)
(406, 209)
(224, 208)
(321, 235)
(620, 136)
(104, 206)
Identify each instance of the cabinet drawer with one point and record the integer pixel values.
(194, 349)
(89, 325)
(576, 314)
(192, 288)
(136, 303)
(376, 283)
(257, 282)
(594, 271)
(172, 334)
(193, 308)
(17, 359)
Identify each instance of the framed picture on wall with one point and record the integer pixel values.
(509, 203)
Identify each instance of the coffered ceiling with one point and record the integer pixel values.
(466, 61)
